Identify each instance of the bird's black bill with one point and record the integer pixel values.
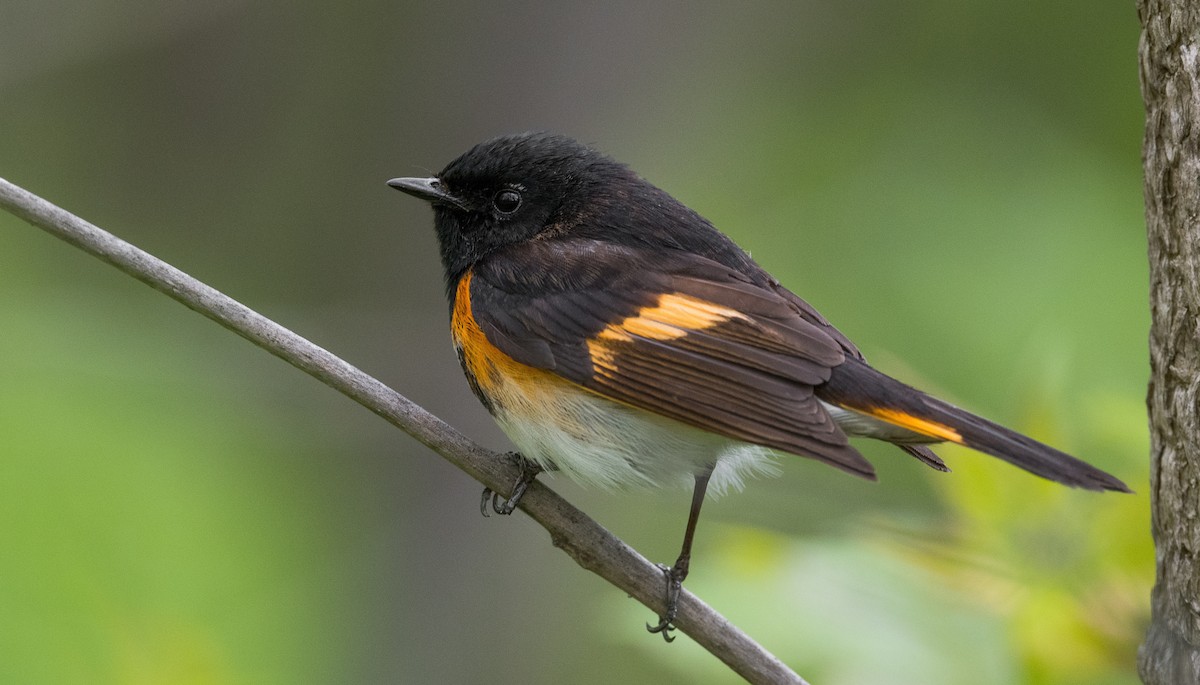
(428, 189)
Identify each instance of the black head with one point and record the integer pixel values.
(513, 188)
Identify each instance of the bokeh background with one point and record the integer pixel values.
(955, 184)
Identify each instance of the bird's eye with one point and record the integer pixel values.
(506, 201)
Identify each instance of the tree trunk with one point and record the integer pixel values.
(1170, 71)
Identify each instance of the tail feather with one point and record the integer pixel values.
(926, 455)
(856, 386)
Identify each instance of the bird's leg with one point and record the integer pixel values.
(529, 471)
(677, 572)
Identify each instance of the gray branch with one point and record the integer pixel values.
(589, 544)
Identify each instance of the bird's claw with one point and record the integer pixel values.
(674, 575)
(505, 507)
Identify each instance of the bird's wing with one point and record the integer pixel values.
(670, 332)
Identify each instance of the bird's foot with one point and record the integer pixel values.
(674, 575)
(529, 472)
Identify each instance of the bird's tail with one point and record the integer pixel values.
(857, 387)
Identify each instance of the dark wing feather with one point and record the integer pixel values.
(811, 315)
(673, 333)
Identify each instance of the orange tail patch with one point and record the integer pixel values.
(914, 423)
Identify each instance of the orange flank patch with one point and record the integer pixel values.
(915, 423)
(489, 369)
(673, 316)
(512, 390)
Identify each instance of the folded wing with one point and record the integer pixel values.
(675, 334)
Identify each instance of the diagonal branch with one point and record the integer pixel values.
(589, 544)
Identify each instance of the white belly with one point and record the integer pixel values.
(604, 443)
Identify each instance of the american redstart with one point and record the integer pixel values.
(616, 335)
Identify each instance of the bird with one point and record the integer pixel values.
(617, 336)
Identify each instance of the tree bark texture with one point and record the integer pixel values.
(1169, 54)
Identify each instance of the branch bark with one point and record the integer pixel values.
(588, 543)
(1169, 55)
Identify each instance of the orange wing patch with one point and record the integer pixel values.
(673, 316)
(914, 423)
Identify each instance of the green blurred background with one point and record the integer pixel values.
(955, 184)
